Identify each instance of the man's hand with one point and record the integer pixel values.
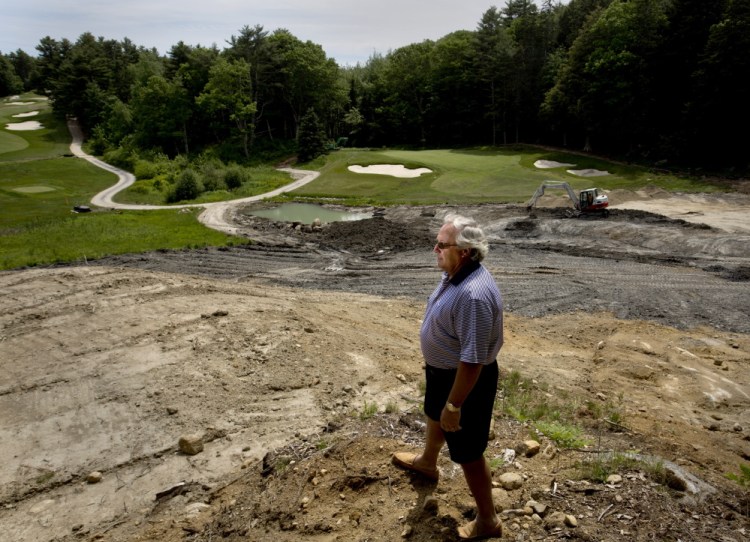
(449, 421)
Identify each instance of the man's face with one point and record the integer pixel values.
(451, 258)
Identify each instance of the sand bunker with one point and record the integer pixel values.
(588, 172)
(548, 164)
(390, 169)
(29, 114)
(22, 126)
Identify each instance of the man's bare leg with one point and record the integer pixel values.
(479, 480)
(434, 441)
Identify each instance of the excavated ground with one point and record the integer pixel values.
(275, 352)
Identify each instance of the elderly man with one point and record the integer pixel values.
(461, 337)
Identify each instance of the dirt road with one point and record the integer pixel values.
(275, 350)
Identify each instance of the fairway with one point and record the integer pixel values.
(506, 175)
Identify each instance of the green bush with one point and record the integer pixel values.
(234, 177)
(188, 187)
(145, 169)
(121, 157)
(212, 176)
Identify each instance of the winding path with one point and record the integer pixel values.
(214, 215)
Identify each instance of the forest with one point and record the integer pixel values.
(656, 82)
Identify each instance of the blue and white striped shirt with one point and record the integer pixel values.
(463, 320)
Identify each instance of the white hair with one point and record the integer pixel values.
(469, 235)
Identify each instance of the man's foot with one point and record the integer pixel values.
(474, 531)
(408, 461)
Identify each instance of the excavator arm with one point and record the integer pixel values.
(553, 184)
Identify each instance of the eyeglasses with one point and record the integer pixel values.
(443, 246)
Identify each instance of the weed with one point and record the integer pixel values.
(391, 407)
(496, 462)
(743, 478)
(282, 463)
(368, 411)
(564, 435)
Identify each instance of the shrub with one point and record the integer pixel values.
(212, 175)
(188, 186)
(234, 177)
(121, 157)
(145, 169)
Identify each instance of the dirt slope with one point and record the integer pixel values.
(274, 354)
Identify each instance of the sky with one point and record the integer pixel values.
(349, 31)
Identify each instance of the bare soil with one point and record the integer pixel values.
(274, 354)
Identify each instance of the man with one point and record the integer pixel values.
(460, 337)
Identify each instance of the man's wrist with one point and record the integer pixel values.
(451, 407)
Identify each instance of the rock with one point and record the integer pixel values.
(537, 507)
(614, 479)
(549, 452)
(408, 530)
(511, 480)
(571, 521)
(737, 427)
(529, 448)
(191, 444)
(556, 520)
(194, 509)
(501, 499)
(172, 410)
(94, 477)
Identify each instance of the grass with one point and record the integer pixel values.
(559, 416)
(83, 237)
(505, 175)
(154, 191)
(742, 478)
(368, 411)
(40, 183)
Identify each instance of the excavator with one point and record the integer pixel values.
(589, 201)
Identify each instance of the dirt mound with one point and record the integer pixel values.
(377, 234)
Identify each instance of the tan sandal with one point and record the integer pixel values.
(469, 531)
(405, 460)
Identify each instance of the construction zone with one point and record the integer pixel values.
(257, 392)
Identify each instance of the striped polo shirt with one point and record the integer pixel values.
(463, 320)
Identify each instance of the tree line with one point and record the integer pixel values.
(653, 81)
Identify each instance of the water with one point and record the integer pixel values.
(306, 213)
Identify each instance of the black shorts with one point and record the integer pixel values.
(469, 443)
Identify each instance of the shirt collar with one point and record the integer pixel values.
(467, 269)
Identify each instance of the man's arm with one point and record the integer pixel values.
(466, 377)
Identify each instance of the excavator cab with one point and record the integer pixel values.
(590, 201)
